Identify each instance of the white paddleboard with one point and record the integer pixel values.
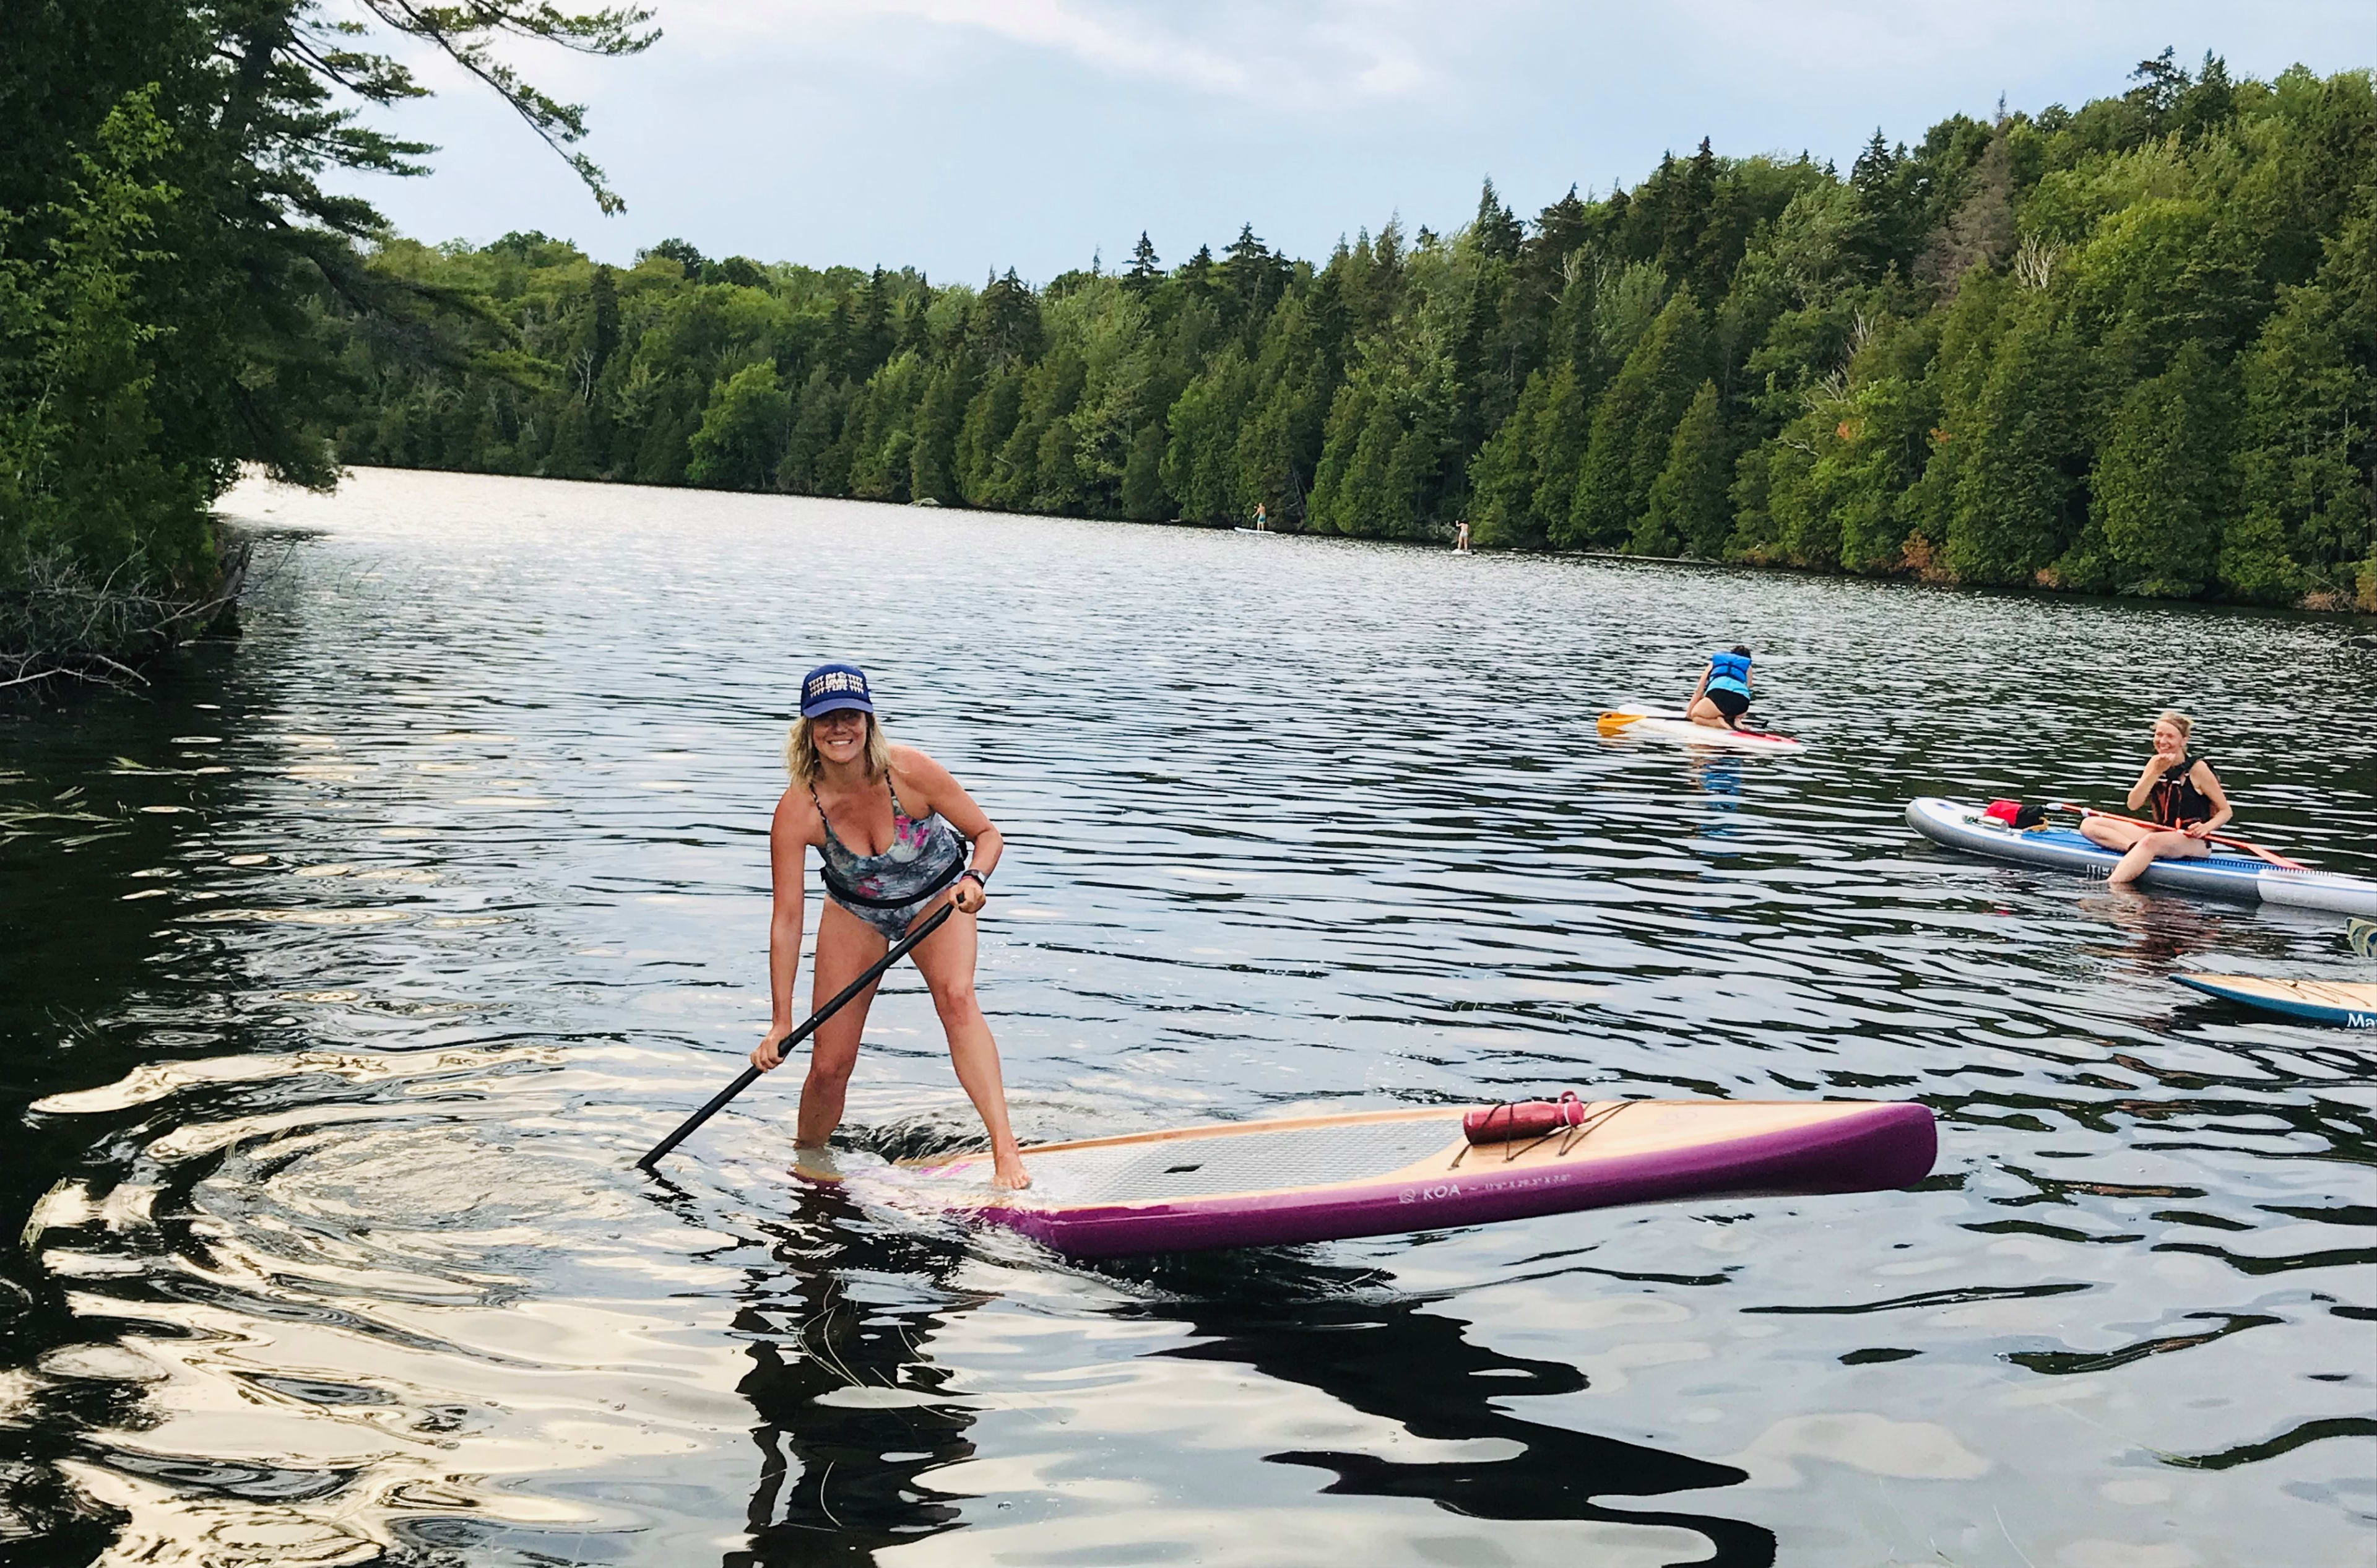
(1634, 720)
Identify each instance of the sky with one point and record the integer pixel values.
(966, 136)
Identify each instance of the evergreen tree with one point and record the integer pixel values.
(1494, 231)
(990, 421)
(2162, 482)
(1252, 279)
(1632, 427)
(934, 463)
(2308, 449)
(1688, 507)
(816, 427)
(1503, 475)
(1143, 496)
(1007, 322)
(2017, 506)
(1146, 267)
(1561, 435)
(867, 339)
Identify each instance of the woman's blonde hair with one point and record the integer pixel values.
(801, 759)
(2180, 722)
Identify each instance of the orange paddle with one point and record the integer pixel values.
(2255, 850)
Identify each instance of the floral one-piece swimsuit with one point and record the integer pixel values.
(889, 890)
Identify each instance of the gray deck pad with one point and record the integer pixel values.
(1251, 1161)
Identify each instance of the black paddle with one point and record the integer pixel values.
(750, 1075)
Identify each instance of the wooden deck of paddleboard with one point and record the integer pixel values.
(1323, 1177)
(2350, 1004)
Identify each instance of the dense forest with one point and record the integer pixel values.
(178, 288)
(2128, 348)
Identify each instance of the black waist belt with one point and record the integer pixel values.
(851, 895)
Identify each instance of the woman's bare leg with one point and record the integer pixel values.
(946, 959)
(2106, 833)
(2160, 844)
(1707, 712)
(845, 946)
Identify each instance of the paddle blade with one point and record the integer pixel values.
(1610, 724)
(2362, 934)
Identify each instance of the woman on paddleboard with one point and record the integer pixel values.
(851, 792)
(2178, 792)
(1722, 695)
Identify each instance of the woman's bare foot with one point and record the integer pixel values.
(1006, 1170)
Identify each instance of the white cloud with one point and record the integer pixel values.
(1332, 50)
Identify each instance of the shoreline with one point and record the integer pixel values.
(2017, 591)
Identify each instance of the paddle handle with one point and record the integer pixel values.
(751, 1075)
(2254, 849)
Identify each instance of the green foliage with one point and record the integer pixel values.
(2128, 347)
(1633, 426)
(82, 474)
(170, 264)
(1689, 510)
(742, 431)
(2016, 505)
(2163, 479)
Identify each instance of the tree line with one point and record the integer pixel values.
(2128, 348)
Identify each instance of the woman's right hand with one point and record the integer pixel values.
(769, 1054)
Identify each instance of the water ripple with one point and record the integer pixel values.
(349, 974)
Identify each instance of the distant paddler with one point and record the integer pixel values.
(1722, 695)
(2180, 795)
(1263, 518)
(1460, 537)
(845, 773)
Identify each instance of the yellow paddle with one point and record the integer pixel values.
(1610, 724)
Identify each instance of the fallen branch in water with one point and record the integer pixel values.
(61, 621)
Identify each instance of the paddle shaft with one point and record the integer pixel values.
(2254, 849)
(750, 1075)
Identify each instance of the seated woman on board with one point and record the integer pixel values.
(2178, 792)
(844, 771)
(1722, 695)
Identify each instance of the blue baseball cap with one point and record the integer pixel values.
(830, 689)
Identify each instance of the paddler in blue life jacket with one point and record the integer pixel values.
(1722, 695)
(2180, 792)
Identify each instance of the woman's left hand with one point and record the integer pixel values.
(2198, 830)
(969, 896)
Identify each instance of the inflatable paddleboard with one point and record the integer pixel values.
(2344, 1003)
(1634, 720)
(1381, 1173)
(2219, 874)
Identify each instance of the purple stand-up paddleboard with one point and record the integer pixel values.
(1323, 1178)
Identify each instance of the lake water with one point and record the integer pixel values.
(347, 975)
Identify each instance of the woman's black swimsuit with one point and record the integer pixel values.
(1732, 704)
